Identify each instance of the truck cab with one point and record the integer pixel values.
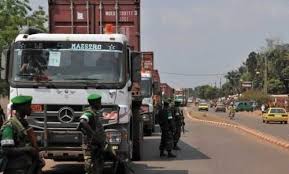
(59, 71)
(147, 108)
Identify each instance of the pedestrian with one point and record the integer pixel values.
(263, 107)
(167, 127)
(20, 154)
(179, 123)
(94, 141)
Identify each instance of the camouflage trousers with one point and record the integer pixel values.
(167, 140)
(93, 161)
(177, 134)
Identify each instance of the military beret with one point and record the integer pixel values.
(21, 100)
(93, 97)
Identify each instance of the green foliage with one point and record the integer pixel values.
(254, 67)
(206, 92)
(14, 15)
(275, 86)
(4, 88)
(255, 95)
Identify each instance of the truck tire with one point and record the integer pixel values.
(137, 134)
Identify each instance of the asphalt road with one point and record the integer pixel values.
(255, 122)
(206, 149)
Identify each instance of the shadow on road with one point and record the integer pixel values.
(144, 168)
(151, 149)
(65, 168)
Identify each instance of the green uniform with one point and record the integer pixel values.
(179, 122)
(167, 126)
(93, 146)
(18, 156)
(14, 136)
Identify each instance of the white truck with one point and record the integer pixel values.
(147, 108)
(60, 71)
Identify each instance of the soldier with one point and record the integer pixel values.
(95, 147)
(20, 154)
(167, 126)
(179, 123)
(94, 141)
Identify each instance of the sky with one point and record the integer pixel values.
(206, 36)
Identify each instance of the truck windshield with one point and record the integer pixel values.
(146, 87)
(68, 62)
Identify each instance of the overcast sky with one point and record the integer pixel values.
(207, 36)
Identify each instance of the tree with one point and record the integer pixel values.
(14, 15)
(275, 86)
(252, 64)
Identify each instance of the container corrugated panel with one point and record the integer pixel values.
(147, 61)
(91, 16)
(168, 91)
(156, 76)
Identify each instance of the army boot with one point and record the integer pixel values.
(171, 155)
(162, 153)
(176, 147)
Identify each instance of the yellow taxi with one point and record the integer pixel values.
(275, 115)
(203, 107)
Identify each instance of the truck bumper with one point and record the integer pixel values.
(148, 121)
(68, 146)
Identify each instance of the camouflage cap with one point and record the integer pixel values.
(94, 97)
(21, 100)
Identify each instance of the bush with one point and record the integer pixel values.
(254, 95)
(4, 88)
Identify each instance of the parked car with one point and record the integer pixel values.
(203, 107)
(275, 115)
(243, 106)
(220, 108)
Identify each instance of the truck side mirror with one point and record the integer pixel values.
(4, 64)
(136, 67)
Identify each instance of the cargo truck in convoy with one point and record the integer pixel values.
(157, 95)
(181, 96)
(147, 108)
(167, 91)
(93, 47)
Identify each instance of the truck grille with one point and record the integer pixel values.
(61, 117)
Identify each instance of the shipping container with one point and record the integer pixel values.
(91, 17)
(156, 82)
(147, 61)
(168, 92)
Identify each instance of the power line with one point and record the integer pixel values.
(181, 74)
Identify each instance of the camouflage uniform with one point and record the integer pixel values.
(179, 122)
(18, 156)
(167, 126)
(93, 146)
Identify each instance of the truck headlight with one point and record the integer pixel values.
(113, 137)
(146, 116)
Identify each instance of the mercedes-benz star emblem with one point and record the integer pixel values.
(65, 115)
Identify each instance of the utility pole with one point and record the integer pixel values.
(266, 76)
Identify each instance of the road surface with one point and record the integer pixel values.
(255, 122)
(206, 149)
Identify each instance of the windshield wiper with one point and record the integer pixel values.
(46, 82)
(82, 78)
